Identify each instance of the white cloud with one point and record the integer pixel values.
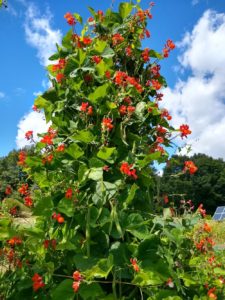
(2, 95)
(40, 34)
(32, 121)
(200, 100)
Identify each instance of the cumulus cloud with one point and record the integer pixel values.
(43, 37)
(32, 121)
(199, 100)
(40, 34)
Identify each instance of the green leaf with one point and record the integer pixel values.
(148, 159)
(83, 136)
(155, 54)
(66, 206)
(99, 46)
(43, 206)
(105, 153)
(100, 92)
(42, 103)
(147, 278)
(64, 290)
(108, 52)
(102, 67)
(136, 226)
(131, 195)
(125, 9)
(101, 269)
(92, 11)
(75, 151)
(91, 291)
(78, 18)
(95, 174)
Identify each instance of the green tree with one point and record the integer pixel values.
(207, 186)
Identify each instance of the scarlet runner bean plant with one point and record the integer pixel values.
(95, 235)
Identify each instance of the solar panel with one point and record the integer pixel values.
(219, 213)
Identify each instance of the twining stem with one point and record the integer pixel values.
(114, 286)
(88, 235)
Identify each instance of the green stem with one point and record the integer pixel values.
(88, 234)
(114, 286)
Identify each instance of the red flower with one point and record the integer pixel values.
(117, 39)
(107, 124)
(28, 201)
(76, 285)
(14, 241)
(211, 293)
(201, 210)
(37, 282)
(60, 77)
(168, 47)
(156, 84)
(48, 159)
(84, 106)
(170, 44)
(29, 135)
(69, 193)
(127, 170)
(22, 157)
(58, 218)
(47, 139)
(184, 129)
(77, 276)
(128, 51)
(190, 166)
(159, 140)
(145, 54)
(106, 168)
(87, 40)
(169, 282)
(60, 148)
(96, 59)
(107, 74)
(135, 265)
(23, 190)
(90, 19)
(165, 114)
(90, 111)
(207, 227)
(8, 190)
(70, 19)
(123, 110)
(130, 109)
(147, 33)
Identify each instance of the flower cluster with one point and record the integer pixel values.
(70, 19)
(122, 79)
(58, 218)
(128, 170)
(37, 282)
(48, 138)
(168, 47)
(22, 157)
(77, 277)
(29, 135)
(107, 124)
(184, 129)
(86, 108)
(50, 243)
(190, 167)
(135, 264)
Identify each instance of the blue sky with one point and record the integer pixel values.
(194, 72)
